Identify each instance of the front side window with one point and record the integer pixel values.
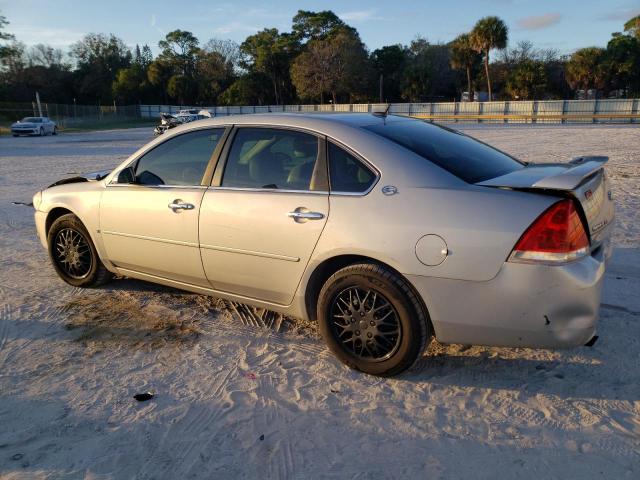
(271, 159)
(181, 160)
(348, 174)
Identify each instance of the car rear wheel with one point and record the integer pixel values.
(55, 131)
(372, 320)
(73, 254)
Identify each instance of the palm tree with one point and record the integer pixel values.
(489, 33)
(585, 69)
(463, 56)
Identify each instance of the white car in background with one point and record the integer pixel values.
(34, 126)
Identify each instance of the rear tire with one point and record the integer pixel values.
(372, 320)
(73, 254)
(55, 131)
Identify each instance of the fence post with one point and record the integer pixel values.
(534, 112)
(634, 110)
(564, 112)
(505, 111)
(480, 111)
(595, 110)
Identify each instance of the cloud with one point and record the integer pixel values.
(538, 22)
(358, 16)
(56, 37)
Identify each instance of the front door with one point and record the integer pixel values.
(259, 226)
(149, 222)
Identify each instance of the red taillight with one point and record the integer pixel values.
(557, 235)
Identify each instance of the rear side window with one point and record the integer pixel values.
(464, 157)
(271, 159)
(347, 173)
(181, 160)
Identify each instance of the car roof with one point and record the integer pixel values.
(314, 121)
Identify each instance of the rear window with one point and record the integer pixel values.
(464, 157)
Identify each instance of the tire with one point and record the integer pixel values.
(41, 132)
(81, 266)
(15, 135)
(55, 131)
(365, 335)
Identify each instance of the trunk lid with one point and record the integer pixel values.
(583, 178)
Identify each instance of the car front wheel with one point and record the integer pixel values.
(372, 320)
(74, 255)
(41, 132)
(55, 131)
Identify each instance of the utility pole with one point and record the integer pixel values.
(38, 102)
(381, 88)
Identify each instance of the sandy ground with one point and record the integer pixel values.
(245, 394)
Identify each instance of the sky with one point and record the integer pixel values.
(565, 25)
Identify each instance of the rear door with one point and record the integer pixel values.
(264, 213)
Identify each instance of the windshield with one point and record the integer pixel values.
(31, 120)
(464, 157)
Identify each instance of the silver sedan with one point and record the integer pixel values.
(387, 231)
(34, 126)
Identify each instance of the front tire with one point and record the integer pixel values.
(55, 131)
(372, 320)
(41, 132)
(73, 254)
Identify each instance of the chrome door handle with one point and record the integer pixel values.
(178, 205)
(306, 215)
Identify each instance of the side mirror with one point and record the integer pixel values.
(127, 176)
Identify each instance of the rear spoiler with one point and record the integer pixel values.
(574, 176)
(550, 176)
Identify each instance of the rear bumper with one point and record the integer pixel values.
(523, 306)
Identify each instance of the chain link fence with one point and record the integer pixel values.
(70, 116)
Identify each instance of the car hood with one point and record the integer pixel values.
(25, 124)
(86, 177)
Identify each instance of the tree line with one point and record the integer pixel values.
(322, 59)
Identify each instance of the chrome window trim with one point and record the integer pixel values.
(224, 156)
(140, 186)
(162, 140)
(270, 190)
(358, 157)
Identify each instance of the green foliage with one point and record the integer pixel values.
(622, 63)
(487, 34)
(320, 59)
(315, 25)
(527, 81)
(99, 58)
(333, 65)
(585, 69)
(633, 27)
(464, 57)
(390, 62)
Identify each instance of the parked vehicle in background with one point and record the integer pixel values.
(385, 230)
(34, 126)
(167, 122)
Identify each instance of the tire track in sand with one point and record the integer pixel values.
(187, 442)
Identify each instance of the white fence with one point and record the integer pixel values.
(537, 111)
